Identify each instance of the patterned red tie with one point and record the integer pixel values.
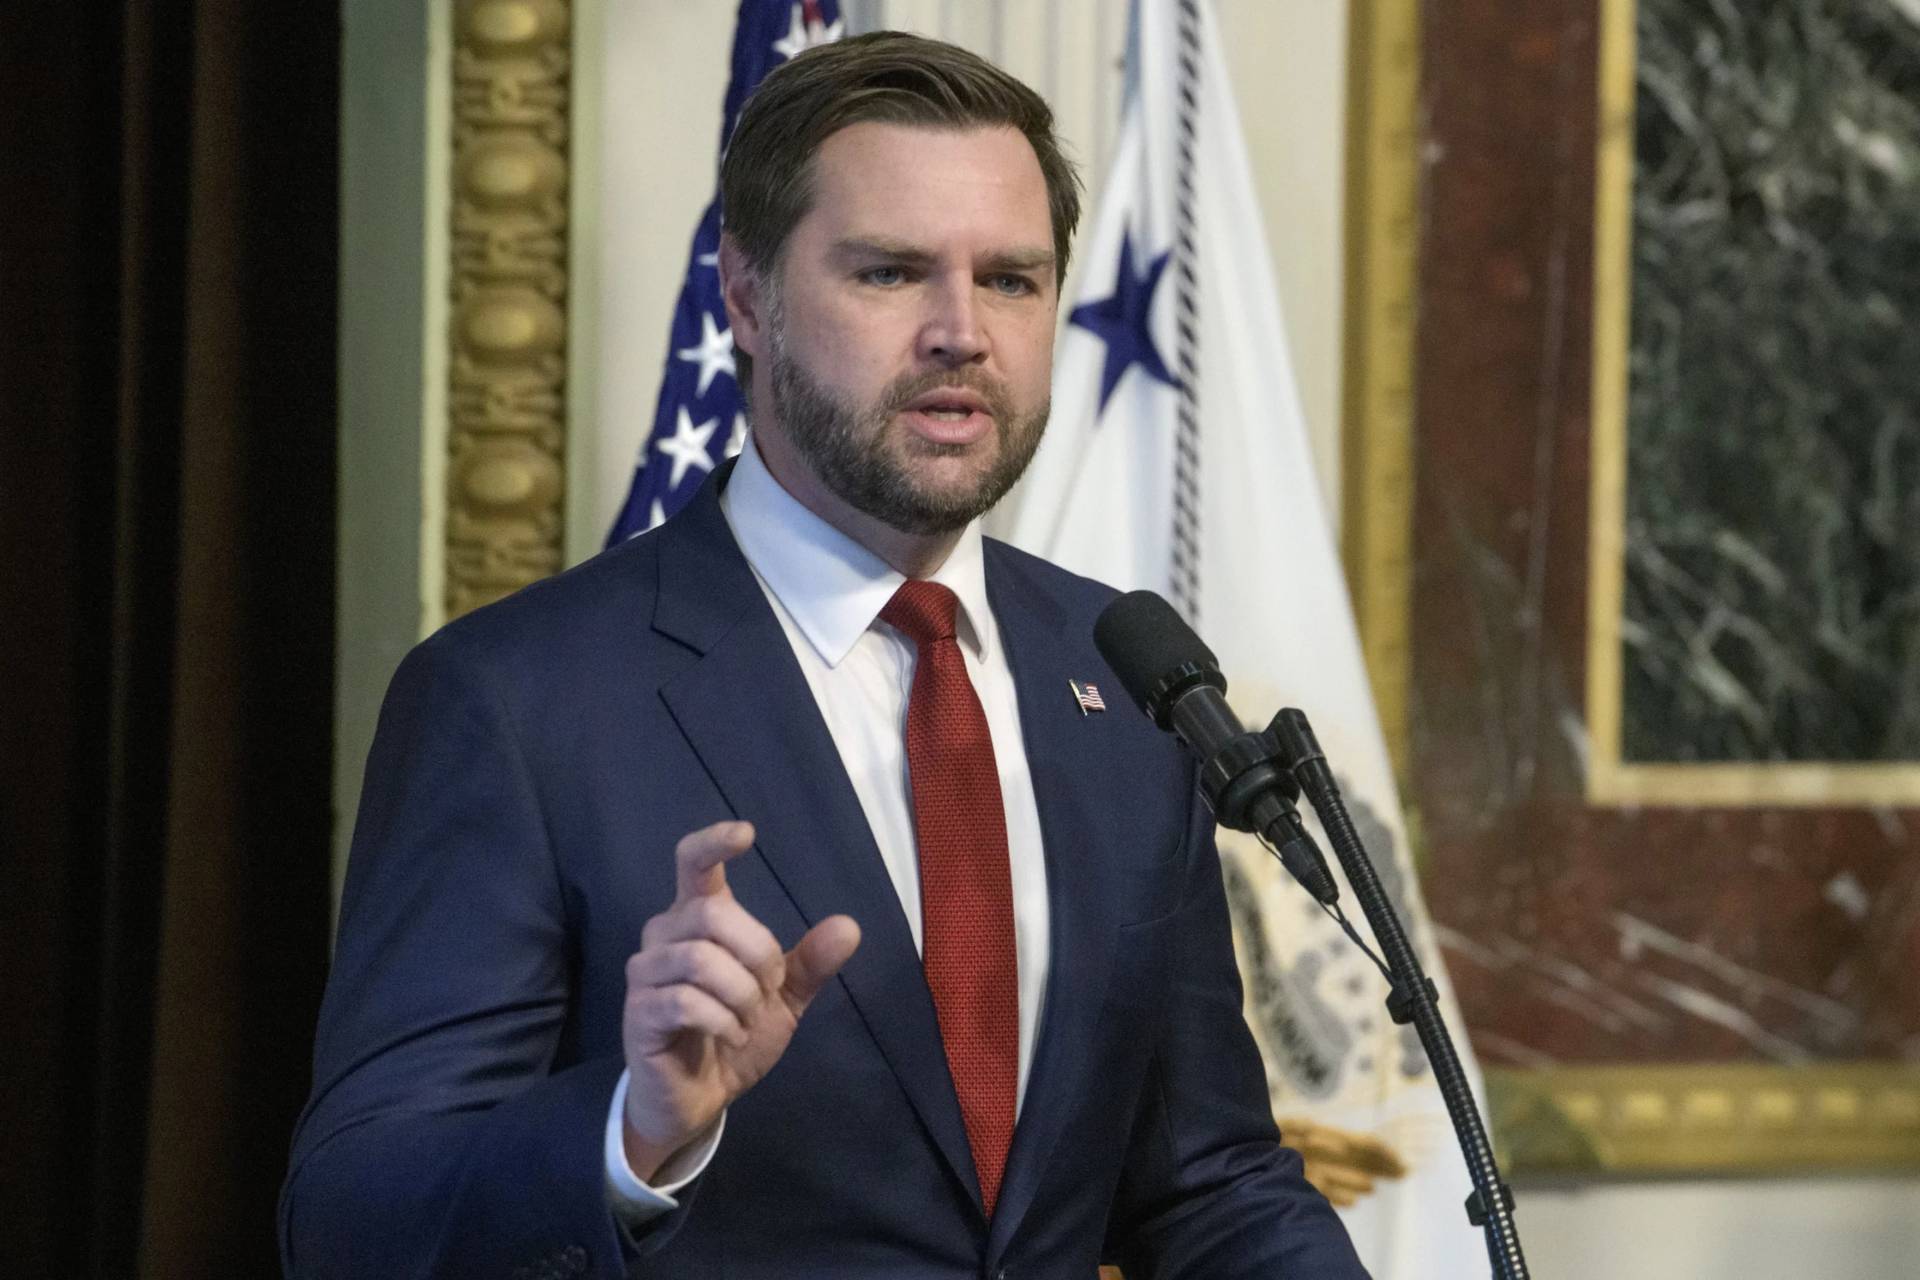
(966, 889)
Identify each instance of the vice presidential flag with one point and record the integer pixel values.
(700, 417)
(1177, 460)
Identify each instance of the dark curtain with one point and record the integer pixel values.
(168, 258)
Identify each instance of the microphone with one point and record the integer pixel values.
(1176, 680)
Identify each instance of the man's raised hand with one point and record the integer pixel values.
(711, 999)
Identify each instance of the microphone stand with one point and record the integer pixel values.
(1413, 998)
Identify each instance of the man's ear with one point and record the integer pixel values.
(742, 291)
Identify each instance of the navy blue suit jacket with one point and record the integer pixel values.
(534, 766)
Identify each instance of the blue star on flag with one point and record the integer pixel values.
(1123, 322)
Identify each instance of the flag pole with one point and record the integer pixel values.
(1185, 587)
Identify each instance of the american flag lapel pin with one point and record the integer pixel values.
(1087, 696)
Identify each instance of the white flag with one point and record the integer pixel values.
(1263, 585)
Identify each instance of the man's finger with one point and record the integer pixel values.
(661, 1013)
(701, 963)
(700, 858)
(816, 958)
(721, 920)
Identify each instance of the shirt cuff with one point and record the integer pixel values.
(636, 1201)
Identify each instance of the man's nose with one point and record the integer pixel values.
(952, 334)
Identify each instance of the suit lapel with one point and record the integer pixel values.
(1042, 651)
(748, 713)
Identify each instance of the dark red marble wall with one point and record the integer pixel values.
(1578, 934)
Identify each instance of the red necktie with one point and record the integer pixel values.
(966, 889)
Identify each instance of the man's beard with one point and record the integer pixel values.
(856, 457)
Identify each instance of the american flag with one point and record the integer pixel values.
(700, 418)
(1088, 697)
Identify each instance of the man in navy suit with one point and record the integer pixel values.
(761, 898)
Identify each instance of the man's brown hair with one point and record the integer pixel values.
(890, 77)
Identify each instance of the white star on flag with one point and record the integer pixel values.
(738, 439)
(687, 446)
(657, 516)
(802, 34)
(713, 355)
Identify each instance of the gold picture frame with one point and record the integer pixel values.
(1611, 780)
(1691, 1118)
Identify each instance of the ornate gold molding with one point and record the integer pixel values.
(1707, 1118)
(1639, 1120)
(1383, 240)
(1611, 780)
(506, 478)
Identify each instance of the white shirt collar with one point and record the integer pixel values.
(831, 586)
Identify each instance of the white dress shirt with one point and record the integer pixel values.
(827, 591)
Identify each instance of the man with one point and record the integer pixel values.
(933, 973)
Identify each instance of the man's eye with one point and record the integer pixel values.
(1011, 286)
(884, 276)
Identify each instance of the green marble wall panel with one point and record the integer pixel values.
(1696, 953)
(1772, 597)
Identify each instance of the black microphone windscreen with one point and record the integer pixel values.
(1154, 652)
